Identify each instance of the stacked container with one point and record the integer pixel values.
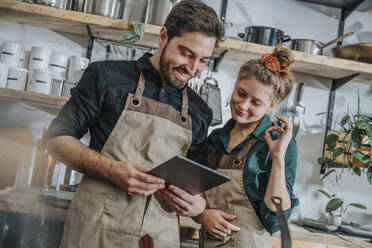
(75, 71)
(12, 76)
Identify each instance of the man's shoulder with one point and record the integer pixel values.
(113, 65)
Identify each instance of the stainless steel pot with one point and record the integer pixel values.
(307, 46)
(313, 46)
(62, 4)
(109, 8)
(135, 10)
(264, 35)
(158, 10)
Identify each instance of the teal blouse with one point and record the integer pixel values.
(257, 168)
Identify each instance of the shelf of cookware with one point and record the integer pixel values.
(73, 22)
(49, 103)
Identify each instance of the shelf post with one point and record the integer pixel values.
(345, 12)
(90, 43)
(336, 83)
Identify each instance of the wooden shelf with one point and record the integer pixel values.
(72, 22)
(48, 103)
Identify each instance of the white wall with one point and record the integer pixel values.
(297, 19)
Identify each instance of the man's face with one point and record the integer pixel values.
(185, 57)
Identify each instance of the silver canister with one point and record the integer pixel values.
(57, 86)
(63, 4)
(109, 8)
(158, 10)
(135, 10)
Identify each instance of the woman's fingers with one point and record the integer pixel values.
(287, 122)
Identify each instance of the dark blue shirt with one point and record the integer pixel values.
(98, 101)
(256, 172)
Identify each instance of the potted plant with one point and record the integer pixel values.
(337, 204)
(349, 146)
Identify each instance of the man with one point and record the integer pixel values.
(139, 114)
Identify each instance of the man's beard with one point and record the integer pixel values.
(166, 71)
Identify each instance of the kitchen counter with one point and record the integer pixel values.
(28, 201)
(302, 238)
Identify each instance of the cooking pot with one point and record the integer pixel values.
(264, 35)
(313, 46)
(135, 10)
(109, 8)
(360, 52)
(158, 10)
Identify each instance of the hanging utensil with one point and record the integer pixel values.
(298, 109)
(211, 94)
(284, 230)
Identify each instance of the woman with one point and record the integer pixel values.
(259, 157)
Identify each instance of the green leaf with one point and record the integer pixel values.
(363, 125)
(355, 136)
(324, 161)
(337, 152)
(369, 133)
(369, 175)
(365, 118)
(352, 144)
(324, 193)
(344, 120)
(358, 205)
(360, 156)
(331, 141)
(357, 171)
(334, 204)
(327, 174)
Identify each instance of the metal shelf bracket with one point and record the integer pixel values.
(90, 43)
(336, 84)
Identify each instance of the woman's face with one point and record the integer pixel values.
(250, 100)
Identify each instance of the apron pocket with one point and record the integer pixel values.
(123, 213)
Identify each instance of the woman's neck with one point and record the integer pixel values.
(244, 129)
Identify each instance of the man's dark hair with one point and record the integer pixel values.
(193, 16)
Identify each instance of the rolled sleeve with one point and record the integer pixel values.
(81, 109)
(269, 218)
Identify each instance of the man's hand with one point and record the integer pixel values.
(182, 202)
(132, 178)
(216, 222)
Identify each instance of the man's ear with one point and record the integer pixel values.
(163, 37)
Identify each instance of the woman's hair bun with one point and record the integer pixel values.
(284, 56)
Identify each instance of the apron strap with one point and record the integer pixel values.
(185, 106)
(136, 100)
(243, 153)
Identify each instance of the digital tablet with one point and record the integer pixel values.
(188, 175)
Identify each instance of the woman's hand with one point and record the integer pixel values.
(278, 148)
(216, 222)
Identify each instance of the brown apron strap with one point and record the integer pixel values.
(185, 103)
(136, 100)
(243, 153)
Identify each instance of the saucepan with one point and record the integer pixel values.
(360, 52)
(264, 35)
(313, 46)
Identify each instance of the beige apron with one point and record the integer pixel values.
(101, 215)
(231, 198)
